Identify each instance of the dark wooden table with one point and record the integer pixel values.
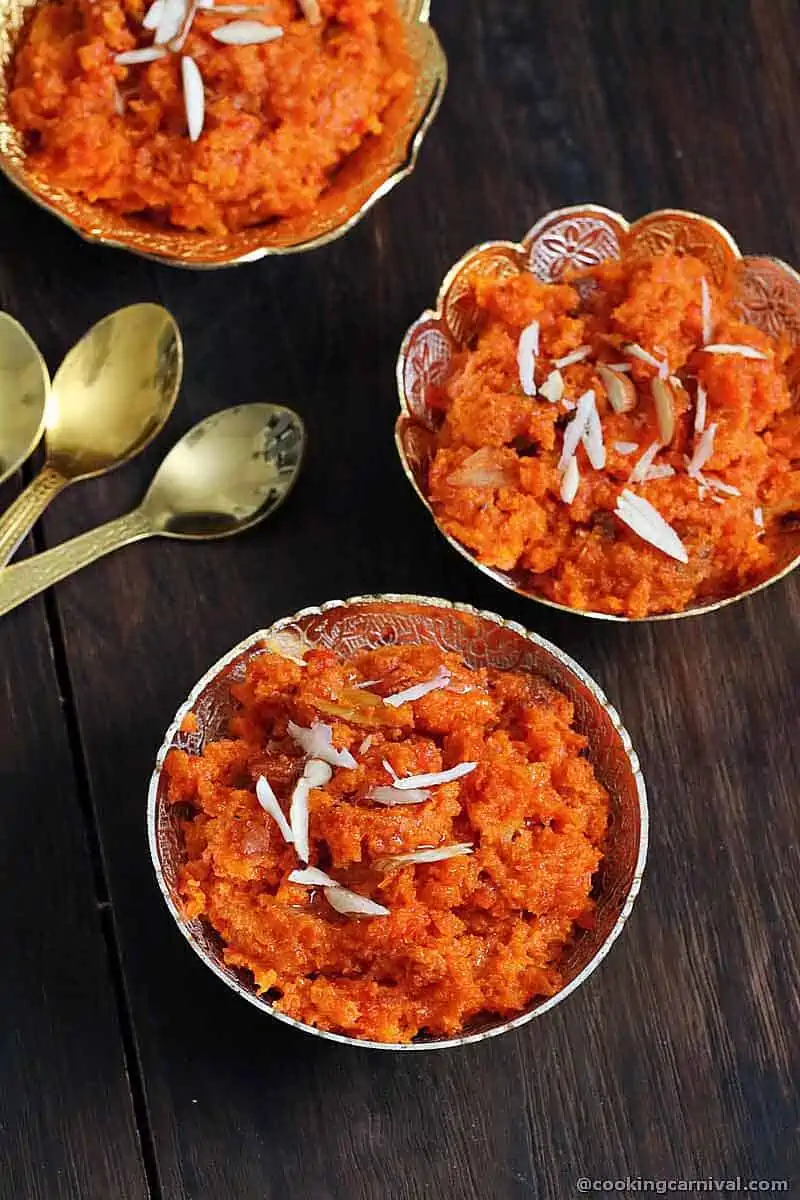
(126, 1069)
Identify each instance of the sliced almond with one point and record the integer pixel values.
(194, 99)
(148, 54)
(246, 33)
(170, 23)
(311, 11)
(620, 389)
(664, 399)
(570, 481)
(553, 387)
(637, 351)
(177, 43)
(735, 348)
(153, 15)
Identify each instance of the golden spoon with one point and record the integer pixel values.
(24, 388)
(229, 472)
(110, 397)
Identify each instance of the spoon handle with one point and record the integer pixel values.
(26, 579)
(29, 505)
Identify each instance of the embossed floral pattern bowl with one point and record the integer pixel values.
(372, 171)
(483, 639)
(768, 293)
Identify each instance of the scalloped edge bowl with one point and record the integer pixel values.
(368, 175)
(579, 236)
(483, 638)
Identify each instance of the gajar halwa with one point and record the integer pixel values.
(621, 440)
(398, 945)
(276, 117)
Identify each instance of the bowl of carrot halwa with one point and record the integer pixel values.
(606, 417)
(398, 822)
(206, 134)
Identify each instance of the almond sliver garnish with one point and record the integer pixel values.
(440, 681)
(147, 54)
(246, 33)
(626, 447)
(637, 351)
(664, 400)
(193, 97)
(340, 898)
(576, 428)
(553, 387)
(390, 796)
(593, 438)
(317, 742)
(703, 450)
(570, 481)
(353, 905)
(527, 354)
(705, 311)
(662, 471)
(575, 356)
(317, 773)
(648, 524)
(173, 14)
(643, 465)
(312, 877)
(269, 802)
(758, 517)
(700, 409)
(289, 646)
(734, 348)
(177, 43)
(311, 11)
(435, 778)
(298, 818)
(438, 854)
(719, 485)
(153, 15)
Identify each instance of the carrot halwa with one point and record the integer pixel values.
(430, 945)
(622, 441)
(280, 116)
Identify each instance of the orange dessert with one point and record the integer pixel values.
(204, 118)
(395, 844)
(620, 441)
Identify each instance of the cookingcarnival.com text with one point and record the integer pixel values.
(667, 1187)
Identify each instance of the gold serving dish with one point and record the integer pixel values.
(372, 171)
(482, 639)
(768, 293)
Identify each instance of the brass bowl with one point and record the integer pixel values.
(483, 639)
(768, 293)
(367, 175)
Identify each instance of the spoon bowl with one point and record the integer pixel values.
(24, 389)
(114, 391)
(228, 473)
(111, 396)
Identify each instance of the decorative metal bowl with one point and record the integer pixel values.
(367, 175)
(483, 639)
(767, 292)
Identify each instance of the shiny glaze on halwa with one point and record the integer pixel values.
(482, 934)
(581, 554)
(281, 117)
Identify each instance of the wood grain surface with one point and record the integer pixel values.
(679, 1059)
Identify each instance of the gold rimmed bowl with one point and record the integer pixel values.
(767, 292)
(380, 163)
(482, 639)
